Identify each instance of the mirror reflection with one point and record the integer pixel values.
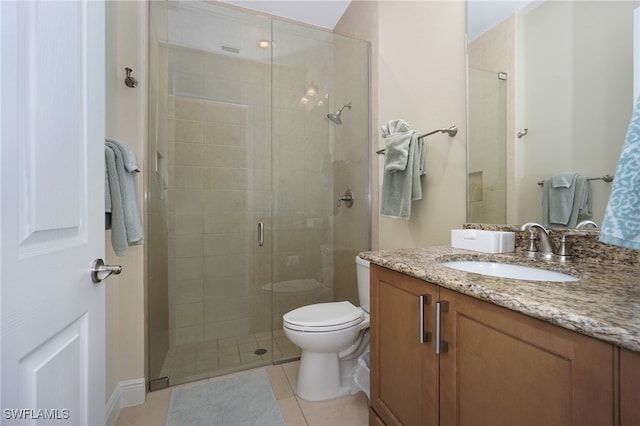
(550, 96)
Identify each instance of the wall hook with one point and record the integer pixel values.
(522, 133)
(130, 81)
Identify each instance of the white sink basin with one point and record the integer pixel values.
(505, 270)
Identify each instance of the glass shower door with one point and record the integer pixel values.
(487, 185)
(212, 184)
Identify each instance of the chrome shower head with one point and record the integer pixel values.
(335, 117)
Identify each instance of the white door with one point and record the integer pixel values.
(51, 212)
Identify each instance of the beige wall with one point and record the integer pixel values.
(421, 78)
(418, 73)
(126, 122)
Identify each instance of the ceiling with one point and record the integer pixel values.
(321, 13)
(482, 15)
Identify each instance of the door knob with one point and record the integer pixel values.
(100, 271)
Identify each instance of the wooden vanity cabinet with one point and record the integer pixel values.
(506, 368)
(497, 367)
(629, 387)
(404, 373)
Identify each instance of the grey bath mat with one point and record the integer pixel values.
(244, 399)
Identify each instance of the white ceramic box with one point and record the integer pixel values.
(483, 241)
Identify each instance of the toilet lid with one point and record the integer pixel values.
(324, 317)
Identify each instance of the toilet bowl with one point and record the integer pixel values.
(331, 335)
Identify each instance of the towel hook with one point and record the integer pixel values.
(130, 81)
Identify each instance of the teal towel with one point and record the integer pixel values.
(621, 224)
(401, 187)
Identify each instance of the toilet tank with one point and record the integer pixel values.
(362, 270)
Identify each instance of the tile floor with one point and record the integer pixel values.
(197, 361)
(350, 410)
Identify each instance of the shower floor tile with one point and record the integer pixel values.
(215, 357)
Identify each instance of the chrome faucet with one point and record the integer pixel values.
(545, 249)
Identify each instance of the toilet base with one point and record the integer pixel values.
(319, 376)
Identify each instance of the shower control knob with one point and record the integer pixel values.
(347, 198)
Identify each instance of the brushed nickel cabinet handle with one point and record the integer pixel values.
(425, 336)
(441, 345)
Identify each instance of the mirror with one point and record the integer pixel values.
(550, 91)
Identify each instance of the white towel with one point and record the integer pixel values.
(401, 187)
(621, 224)
(122, 184)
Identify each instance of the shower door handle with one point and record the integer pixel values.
(260, 234)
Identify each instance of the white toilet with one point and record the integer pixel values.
(332, 336)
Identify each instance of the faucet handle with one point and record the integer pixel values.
(527, 226)
(545, 246)
(532, 249)
(587, 224)
(564, 251)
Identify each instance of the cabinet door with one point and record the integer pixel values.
(505, 368)
(629, 388)
(404, 380)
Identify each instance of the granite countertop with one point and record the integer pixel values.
(604, 303)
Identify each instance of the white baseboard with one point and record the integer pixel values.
(112, 410)
(126, 394)
(133, 392)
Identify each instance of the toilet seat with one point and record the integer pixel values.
(323, 317)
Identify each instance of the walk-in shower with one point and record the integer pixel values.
(239, 136)
(335, 117)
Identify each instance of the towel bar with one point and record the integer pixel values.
(606, 178)
(451, 131)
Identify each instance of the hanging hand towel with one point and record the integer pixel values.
(124, 191)
(113, 204)
(557, 198)
(401, 187)
(566, 199)
(397, 139)
(621, 224)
